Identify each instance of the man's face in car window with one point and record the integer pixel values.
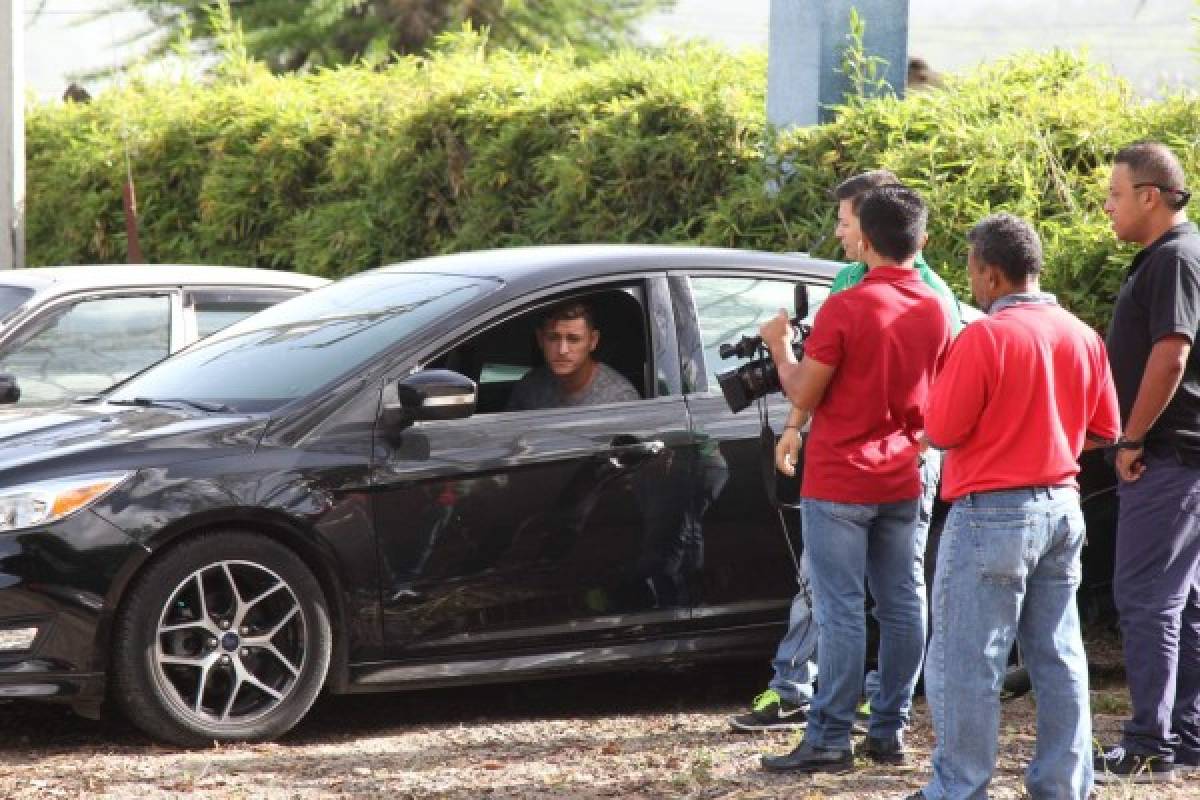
(567, 345)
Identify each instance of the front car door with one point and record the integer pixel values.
(82, 345)
(553, 531)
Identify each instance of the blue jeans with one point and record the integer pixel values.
(1008, 567)
(848, 544)
(795, 662)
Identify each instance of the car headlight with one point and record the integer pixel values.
(39, 503)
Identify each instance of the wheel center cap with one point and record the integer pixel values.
(230, 642)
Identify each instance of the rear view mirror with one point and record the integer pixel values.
(10, 392)
(432, 394)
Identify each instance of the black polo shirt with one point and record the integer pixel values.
(1160, 297)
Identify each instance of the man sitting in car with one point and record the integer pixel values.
(568, 337)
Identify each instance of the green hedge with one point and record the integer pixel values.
(344, 170)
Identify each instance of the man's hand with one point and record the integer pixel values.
(777, 330)
(787, 451)
(1130, 465)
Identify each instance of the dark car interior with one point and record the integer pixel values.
(498, 357)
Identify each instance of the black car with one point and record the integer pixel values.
(332, 494)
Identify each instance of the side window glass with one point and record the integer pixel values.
(216, 309)
(729, 308)
(499, 359)
(89, 346)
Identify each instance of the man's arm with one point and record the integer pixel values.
(787, 449)
(804, 382)
(1105, 424)
(1160, 380)
(960, 392)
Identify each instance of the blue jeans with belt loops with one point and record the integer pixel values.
(1008, 567)
(846, 544)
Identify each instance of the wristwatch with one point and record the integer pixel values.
(1129, 444)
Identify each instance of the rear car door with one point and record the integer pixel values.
(749, 575)
(207, 310)
(553, 530)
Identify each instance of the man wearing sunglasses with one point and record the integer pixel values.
(1157, 373)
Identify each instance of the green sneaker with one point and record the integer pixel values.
(862, 716)
(770, 712)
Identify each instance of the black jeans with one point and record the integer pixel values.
(1157, 590)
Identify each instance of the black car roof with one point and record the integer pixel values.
(523, 267)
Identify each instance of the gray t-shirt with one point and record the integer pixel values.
(540, 389)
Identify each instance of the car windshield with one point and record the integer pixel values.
(290, 350)
(12, 298)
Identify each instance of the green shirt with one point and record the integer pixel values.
(852, 274)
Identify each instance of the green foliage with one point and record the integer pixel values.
(346, 169)
(291, 35)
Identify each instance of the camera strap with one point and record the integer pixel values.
(766, 439)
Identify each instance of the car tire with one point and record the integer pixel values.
(224, 638)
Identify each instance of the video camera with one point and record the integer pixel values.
(758, 378)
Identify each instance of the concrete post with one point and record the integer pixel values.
(806, 41)
(12, 136)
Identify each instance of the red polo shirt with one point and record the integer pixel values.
(1020, 392)
(887, 338)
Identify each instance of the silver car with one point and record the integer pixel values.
(66, 332)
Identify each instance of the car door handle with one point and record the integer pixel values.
(625, 454)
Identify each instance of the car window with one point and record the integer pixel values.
(729, 308)
(292, 349)
(85, 347)
(501, 356)
(12, 298)
(215, 309)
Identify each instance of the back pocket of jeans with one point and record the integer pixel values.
(1000, 547)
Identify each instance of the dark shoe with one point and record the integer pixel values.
(806, 758)
(770, 712)
(889, 750)
(1118, 765)
(1186, 762)
(916, 796)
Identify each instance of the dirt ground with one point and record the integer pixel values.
(630, 735)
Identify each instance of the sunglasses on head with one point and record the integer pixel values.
(1183, 194)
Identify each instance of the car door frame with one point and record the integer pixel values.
(40, 311)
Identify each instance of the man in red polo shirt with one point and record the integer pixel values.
(873, 353)
(1023, 393)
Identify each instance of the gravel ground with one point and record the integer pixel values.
(632, 735)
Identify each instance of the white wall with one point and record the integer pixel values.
(1146, 41)
(58, 48)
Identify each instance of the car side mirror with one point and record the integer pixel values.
(432, 394)
(10, 391)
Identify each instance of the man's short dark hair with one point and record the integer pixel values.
(567, 310)
(855, 185)
(893, 218)
(1153, 163)
(1008, 243)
